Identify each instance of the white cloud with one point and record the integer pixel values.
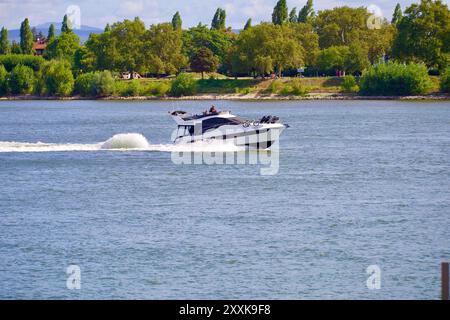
(257, 8)
(147, 10)
(130, 7)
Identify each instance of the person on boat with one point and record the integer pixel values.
(213, 110)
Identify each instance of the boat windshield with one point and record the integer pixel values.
(185, 131)
(215, 123)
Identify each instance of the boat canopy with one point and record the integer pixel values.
(216, 122)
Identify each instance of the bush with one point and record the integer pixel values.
(10, 61)
(298, 89)
(295, 88)
(246, 90)
(159, 89)
(57, 79)
(184, 85)
(84, 84)
(286, 90)
(445, 81)
(275, 87)
(395, 79)
(103, 84)
(3, 80)
(349, 84)
(95, 84)
(21, 80)
(125, 88)
(133, 89)
(120, 87)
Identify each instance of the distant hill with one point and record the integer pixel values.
(83, 32)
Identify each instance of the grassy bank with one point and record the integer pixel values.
(220, 87)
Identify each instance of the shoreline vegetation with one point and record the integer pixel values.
(235, 97)
(330, 54)
(218, 87)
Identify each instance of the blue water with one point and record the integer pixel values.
(360, 183)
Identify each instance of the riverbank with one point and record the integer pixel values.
(322, 88)
(250, 96)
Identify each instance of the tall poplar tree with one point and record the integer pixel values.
(51, 33)
(66, 25)
(293, 16)
(398, 14)
(26, 37)
(248, 25)
(218, 22)
(280, 13)
(5, 47)
(306, 12)
(177, 23)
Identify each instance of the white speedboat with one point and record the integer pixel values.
(259, 134)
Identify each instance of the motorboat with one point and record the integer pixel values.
(214, 125)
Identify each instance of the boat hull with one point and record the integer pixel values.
(262, 137)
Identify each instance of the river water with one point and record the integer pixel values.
(358, 184)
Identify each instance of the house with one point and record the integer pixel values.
(39, 47)
(129, 75)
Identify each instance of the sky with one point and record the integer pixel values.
(100, 12)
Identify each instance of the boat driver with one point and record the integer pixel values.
(213, 110)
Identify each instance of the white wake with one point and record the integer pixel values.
(119, 142)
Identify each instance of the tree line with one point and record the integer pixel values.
(323, 42)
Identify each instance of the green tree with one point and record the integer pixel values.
(218, 41)
(84, 60)
(204, 61)
(63, 46)
(379, 41)
(21, 80)
(280, 13)
(163, 46)
(293, 16)
(102, 49)
(3, 80)
(26, 38)
(177, 23)
(398, 14)
(15, 47)
(341, 26)
(184, 85)
(356, 60)
(5, 48)
(248, 24)
(445, 81)
(66, 24)
(308, 39)
(11, 61)
(107, 28)
(423, 34)
(268, 48)
(51, 33)
(122, 48)
(332, 58)
(307, 12)
(57, 78)
(219, 20)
